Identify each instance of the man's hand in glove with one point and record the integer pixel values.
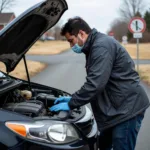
(59, 107)
(62, 99)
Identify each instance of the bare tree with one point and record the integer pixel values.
(130, 8)
(119, 28)
(57, 30)
(6, 4)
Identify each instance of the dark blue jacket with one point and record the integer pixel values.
(112, 84)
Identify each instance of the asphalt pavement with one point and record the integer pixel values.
(66, 71)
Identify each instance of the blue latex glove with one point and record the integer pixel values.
(62, 99)
(59, 107)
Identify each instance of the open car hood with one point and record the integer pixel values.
(18, 36)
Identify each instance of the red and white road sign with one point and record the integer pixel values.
(137, 25)
(111, 33)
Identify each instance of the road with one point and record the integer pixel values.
(66, 71)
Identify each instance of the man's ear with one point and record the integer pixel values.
(82, 33)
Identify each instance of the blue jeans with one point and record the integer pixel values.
(122, 136)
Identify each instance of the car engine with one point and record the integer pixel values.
(22, 101)
(30, 108)
(36, 104)
(17, 96)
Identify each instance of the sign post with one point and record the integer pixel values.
(137, 26)
(137, 54)
(124, 40)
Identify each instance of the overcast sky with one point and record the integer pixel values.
(98, 13)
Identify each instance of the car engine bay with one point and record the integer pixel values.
(16, 96)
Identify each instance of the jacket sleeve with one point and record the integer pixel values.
(98, 75)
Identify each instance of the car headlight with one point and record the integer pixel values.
(46, 131)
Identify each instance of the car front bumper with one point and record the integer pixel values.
(89, 143)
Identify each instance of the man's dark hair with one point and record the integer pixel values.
(74, 25)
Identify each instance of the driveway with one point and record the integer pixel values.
(66, 71)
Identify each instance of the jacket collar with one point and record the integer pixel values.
(89, 41)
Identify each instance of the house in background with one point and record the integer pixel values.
(5, 18)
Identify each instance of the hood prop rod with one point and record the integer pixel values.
(27, 72)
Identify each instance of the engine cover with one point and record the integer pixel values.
(31, 108)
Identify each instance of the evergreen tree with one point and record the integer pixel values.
(147, 20)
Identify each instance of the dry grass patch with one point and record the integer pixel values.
(145, 73)
(48, 48)
(19, 72)
(144, 50)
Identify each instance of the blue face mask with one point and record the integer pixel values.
(77, 49)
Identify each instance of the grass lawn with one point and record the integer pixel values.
(144, 50)
(144, 53)
(20, 72)
(145, 73)
(48, 48)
